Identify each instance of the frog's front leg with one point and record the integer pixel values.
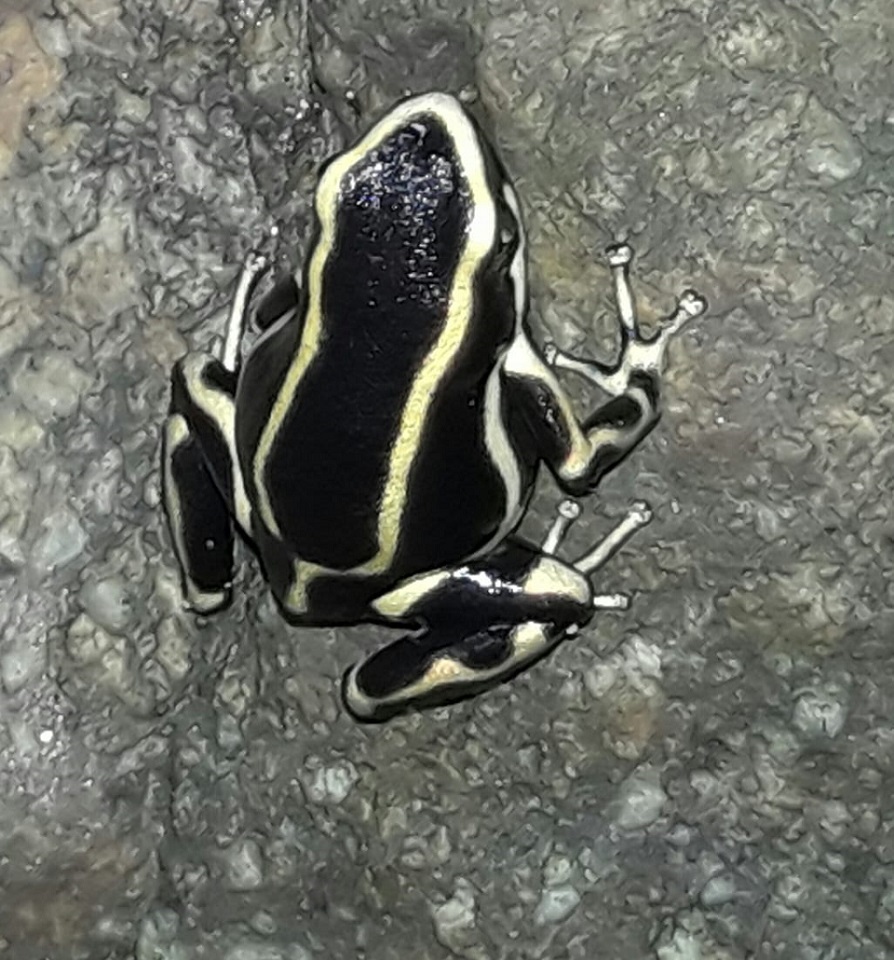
(580, 453)
(483, 622)
(201, 481)
(641, 357)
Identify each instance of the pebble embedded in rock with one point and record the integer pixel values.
(556, 904)
(832, 153)
(63, 538)
(640, 802)
(244, 866)
(106, 603)
(332, 784)
(820, 713)
(21, 661)
(718, 890)
(454, 919)
(50, 384)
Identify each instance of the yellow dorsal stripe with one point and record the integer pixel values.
(479, 239)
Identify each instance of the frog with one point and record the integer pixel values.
(378, 442)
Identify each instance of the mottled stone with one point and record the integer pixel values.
(21, 661)
(718, 891)
(98, 13)
(261, 950)
(331, 784)
(61, 540)
(760, 157)
(19, 429)
(831, 152)
(556, 904)
(821, 712)
(683, 946)
(455, 919)
(640, 801)
(244, 865)
(20, 313)
(173, 649)
(107, 603)
(155, 939)
(28, 75)
(50, 384)
(16, 493)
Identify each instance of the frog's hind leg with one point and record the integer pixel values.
(201, 480)
(482, 623)
(198, 518)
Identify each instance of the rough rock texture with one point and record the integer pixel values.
(707, 776)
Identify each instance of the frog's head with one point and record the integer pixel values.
(419, 211)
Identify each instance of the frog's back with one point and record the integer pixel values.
(374, 451)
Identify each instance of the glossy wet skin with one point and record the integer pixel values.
(406, 312)
(379, 442)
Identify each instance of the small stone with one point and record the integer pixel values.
(19, 314)
(718, 890)
(50, 385)
(599, 679)
(20, 662)
(86, 642)
(244, 866)
(19, 429)
(99, 13)
(106, 603)
(173, 650)
(556, 904)
(557, 871)
(264, 923)
(684, 946)
(156, 937)
(332, 784)
(29, 75)
(132, 108)
(832, 153)
(820, 713)
(455, 919)
(62, 540)
(16, 497)
(229, 733)
(640, 801)
(52, 37)
(254, 950)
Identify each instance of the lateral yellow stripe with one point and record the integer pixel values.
(221, 410)
(479, 240)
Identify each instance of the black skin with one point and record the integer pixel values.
(332, 456)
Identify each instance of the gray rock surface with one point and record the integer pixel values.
(708, 775)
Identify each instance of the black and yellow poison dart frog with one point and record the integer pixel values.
(379, 442)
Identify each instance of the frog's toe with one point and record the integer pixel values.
(619, 255)
(693, 304)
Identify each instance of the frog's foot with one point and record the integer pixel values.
(636, 517)
(254, 267)
(202, 482)
(482, 623)
(639, 355)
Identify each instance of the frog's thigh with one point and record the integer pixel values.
(482, 624)
(199, 478)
